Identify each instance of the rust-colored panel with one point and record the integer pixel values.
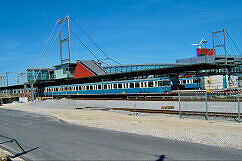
(82, 71)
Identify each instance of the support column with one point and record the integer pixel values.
(32, 91)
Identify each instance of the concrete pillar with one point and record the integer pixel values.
(32, 91)
(25, 89)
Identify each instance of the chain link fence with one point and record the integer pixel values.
(210, 105)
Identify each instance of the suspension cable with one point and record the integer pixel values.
(44, 48)
(48, 51)
(84, 45)
(87, 35)
(233, 42)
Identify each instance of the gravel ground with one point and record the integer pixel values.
(218, 133)
(186, 106)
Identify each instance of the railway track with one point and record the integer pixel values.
(173, 98)
(173, 112)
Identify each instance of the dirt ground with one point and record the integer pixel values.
(217, 133)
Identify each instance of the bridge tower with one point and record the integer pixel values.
(65, 21)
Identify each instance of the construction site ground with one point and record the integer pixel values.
(210, 132)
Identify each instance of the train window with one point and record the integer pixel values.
(188, 81)
(141, 84)
(183, 81)
(150, 84)
(195, 80)
(131, 85)
(180, 82)
(160, 83)
(99, 86)
(155, 83)
(144, 84)
(109, 86)
(136, 84)
(119, 85)
(115, 86)
(104, 86)
(166, 83)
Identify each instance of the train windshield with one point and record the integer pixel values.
(164, 83)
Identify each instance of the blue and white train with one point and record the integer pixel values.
(190, 83)
(139, 86)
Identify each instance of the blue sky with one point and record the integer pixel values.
(130, 31)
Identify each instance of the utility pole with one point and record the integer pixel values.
(1, 80)
(7, 77)
(22, 77)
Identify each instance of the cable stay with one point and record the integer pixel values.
(97, 46)
(51, 46)
(89, 50)
(44, 48)
(84, 45)
(233, 43)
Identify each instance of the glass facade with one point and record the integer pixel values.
(40, 74)
(135, 67)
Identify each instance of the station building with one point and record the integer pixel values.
(87, 68)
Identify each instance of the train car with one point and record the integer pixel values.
(141, 86)
(190, 83)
